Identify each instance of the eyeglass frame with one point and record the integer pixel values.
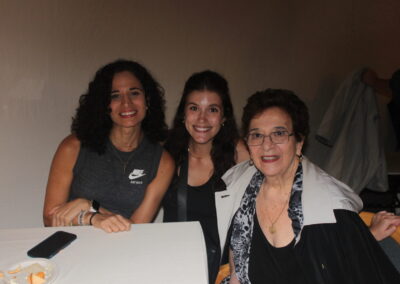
(270, 138)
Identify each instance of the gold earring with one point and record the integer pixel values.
(300, 157)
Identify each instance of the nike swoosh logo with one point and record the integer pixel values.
(136, 176)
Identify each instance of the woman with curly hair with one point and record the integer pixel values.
(204, 144)
(111, 171)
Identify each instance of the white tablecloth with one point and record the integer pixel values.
(149, 253)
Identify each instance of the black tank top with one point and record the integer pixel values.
(269, 264)
(198, 204)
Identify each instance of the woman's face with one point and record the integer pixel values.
(274, 160)
(203, 116)
(128, 102)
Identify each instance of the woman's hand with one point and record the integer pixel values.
(384, 224)
(65, 214)
(233, 278)
(111, 222)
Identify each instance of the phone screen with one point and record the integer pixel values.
(52, 245)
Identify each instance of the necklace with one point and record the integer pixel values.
(272, 228)
(194, 156)
(124, 163)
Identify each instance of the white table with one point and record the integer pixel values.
(149, 253)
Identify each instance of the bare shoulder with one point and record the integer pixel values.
(167, 161)
(242, 154)
(70, 144)
(68, 149)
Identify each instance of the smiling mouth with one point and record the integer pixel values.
(201, 129)
(269, 158)
(128, 114)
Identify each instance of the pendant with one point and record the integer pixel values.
(272, 229)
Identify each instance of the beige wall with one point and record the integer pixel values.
(50, 49)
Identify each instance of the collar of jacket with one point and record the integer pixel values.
(322, 194)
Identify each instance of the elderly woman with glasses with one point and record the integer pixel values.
(292, 222)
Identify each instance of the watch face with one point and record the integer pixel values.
(95, 205)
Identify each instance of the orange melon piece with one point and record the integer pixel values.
(40, 274)
(36, 278)
(16, 270)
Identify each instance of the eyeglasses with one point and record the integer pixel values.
(276, 137)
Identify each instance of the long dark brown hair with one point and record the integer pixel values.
(224, 143)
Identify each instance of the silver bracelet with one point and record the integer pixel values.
(81, 216)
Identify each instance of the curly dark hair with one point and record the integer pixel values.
(224, 143)
(92, 123)
(283, 99)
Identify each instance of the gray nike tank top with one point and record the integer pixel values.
(101, 177)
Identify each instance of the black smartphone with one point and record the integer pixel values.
(52, 245)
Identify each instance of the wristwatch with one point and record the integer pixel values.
(94, 206)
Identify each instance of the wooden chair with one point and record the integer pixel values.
(367, 218)
(224, 271)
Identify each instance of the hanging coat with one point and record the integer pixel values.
(350, 128)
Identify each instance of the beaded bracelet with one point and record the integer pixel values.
(91, 217)
(81, 215)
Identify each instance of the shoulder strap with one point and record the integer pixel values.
(182, 191)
